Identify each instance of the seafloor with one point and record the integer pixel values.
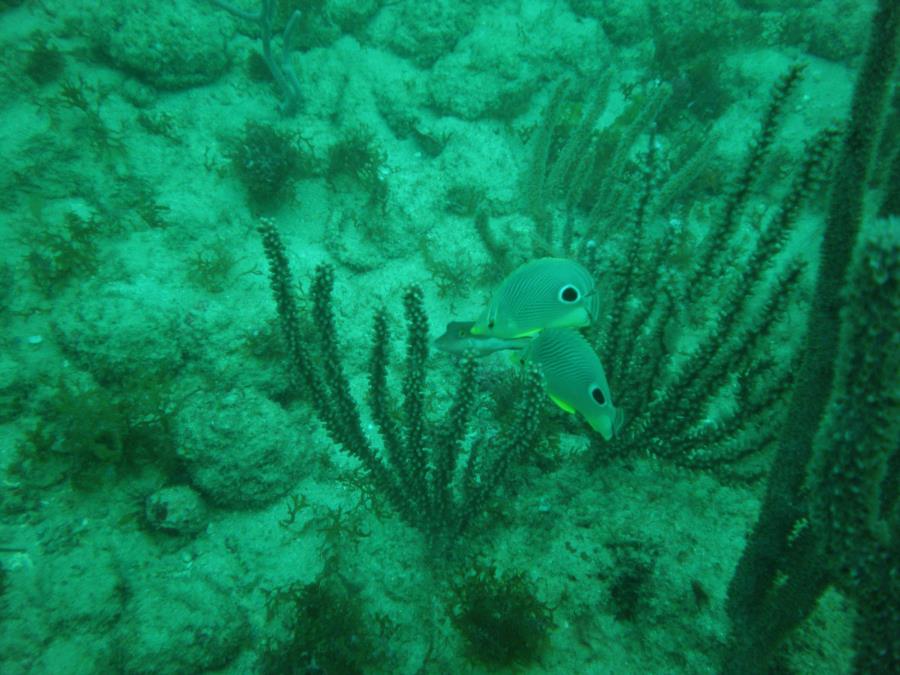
(165, 488)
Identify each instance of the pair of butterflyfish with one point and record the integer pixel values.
(537, 311)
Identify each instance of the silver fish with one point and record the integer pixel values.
(458, 339)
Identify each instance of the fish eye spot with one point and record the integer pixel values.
(598, 396)
(491, 323)
(569, 294)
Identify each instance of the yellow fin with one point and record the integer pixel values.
(527, 333)
(562, 404)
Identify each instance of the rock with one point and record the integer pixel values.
(241, 449)
(124, 331)
(160, 42)
(422, 31)
(183, 625)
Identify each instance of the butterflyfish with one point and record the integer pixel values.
(574, 377)
(543, 293)
(458, 339)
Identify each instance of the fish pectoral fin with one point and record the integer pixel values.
(515, 358)
(562, 404)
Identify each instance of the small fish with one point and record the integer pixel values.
(458, 339)
(574, 378)
(543, 293)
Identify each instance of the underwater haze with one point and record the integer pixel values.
(512, 336)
